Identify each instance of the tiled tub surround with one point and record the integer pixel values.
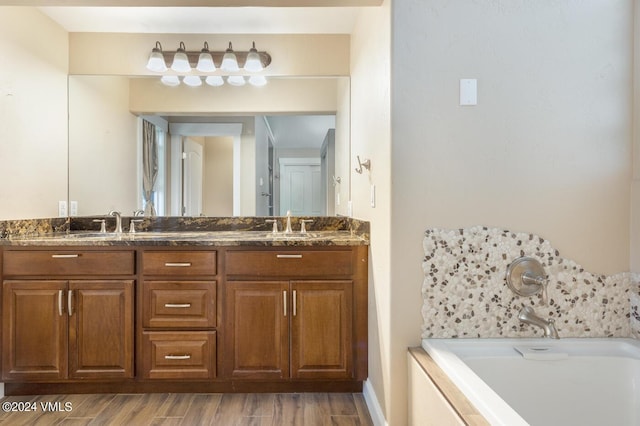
(465, 292)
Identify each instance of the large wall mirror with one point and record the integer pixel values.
(215, 151)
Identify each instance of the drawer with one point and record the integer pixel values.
(289, 263)
(184, 355)
(179, 304)
(68, 262)
(183, 263)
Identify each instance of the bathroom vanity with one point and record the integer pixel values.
(214, 311)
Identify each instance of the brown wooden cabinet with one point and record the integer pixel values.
(178, 311)
(184, 318)
(289, 329)
(67, 315)
(281, 326)
(56, 329)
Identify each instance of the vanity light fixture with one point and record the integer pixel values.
(181, 60)
(236, 80)
(205, 60)
(214, 80)
(227, 65)
(170, 80)
(156, 59)
(257, 80)
(253, 63)
(192, 80)
(229, 61)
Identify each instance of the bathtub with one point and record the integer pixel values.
(543, 381)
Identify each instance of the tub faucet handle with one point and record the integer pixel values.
(540, 281)
(526, 277)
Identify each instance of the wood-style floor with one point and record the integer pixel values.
(187, 409)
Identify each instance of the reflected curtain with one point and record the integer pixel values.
(149, 165)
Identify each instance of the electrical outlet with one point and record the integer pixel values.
(62, 209)
(349, 208)
(73, 208)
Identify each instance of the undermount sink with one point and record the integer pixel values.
(92, 235)
(292, 236)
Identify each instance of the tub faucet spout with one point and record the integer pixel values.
(528, 316)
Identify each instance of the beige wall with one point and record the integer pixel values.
(635, 184)
(33, 114)
(546, 150)
(371, 139)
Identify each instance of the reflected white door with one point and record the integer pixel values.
(192, 178)
(301, 187)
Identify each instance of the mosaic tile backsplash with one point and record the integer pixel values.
(465, 293)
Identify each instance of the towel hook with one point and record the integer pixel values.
(366, 164)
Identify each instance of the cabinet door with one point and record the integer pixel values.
(257, 329)
(100, 329)
(34, 330)
(321, 327)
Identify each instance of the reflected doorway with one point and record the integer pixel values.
(301, 187)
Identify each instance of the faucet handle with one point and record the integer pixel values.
(274, 229)
(103, 227)
(132, 225)
(303, 226)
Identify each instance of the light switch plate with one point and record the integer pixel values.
(468, 91)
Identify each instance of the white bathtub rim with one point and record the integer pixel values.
(486, 400)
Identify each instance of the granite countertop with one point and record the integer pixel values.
(189, 238)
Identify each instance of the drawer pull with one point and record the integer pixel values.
(289, 256)
(187, 356)
(178, 264)
(177, 305)
(65, 256)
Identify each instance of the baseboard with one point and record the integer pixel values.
(374, 406)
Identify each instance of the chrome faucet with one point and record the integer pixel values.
(528, 316)
(118, 216)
